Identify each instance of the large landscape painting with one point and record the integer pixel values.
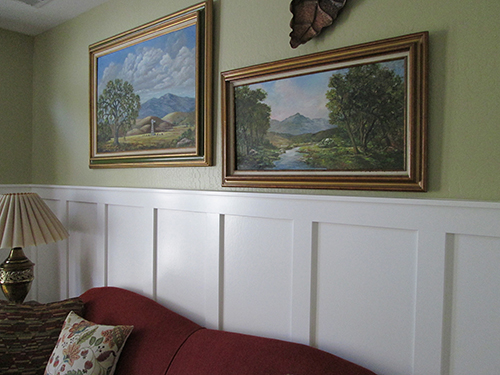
(350, 119)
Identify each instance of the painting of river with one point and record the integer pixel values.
(348, 119)
(290, 159)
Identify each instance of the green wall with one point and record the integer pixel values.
(464, 111)
(16, 81)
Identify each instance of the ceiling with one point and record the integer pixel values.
(33, 17)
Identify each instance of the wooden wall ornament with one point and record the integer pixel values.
(310, 17)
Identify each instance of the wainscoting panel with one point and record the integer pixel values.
(401, 286)
(87, 258)
(130, 254)
(366, 293)
(181, 262)
(475, 313)
(257, 276)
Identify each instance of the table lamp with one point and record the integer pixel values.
(25, 220)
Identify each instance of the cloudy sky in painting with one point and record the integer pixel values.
(165, 64)
(306, 94)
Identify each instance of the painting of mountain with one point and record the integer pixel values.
(166, 104)
(299, 124)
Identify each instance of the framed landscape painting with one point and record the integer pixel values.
(150, 93)
(351, 118)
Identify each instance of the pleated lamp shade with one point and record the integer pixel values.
(25, 220)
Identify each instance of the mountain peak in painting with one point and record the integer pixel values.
(299, 124)
(166, 104)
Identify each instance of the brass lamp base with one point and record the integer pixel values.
(16, 275)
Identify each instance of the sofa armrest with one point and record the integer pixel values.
(210, 352)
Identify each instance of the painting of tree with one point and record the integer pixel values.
(251, 128)
(367, 102)
(117, 109)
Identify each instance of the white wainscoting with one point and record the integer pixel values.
(399, 286)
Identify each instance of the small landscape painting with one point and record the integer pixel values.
(350, 119)
(151, 93)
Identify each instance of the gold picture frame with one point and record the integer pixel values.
(353, 118)
(151, 93)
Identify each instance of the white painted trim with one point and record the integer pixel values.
(438, 235)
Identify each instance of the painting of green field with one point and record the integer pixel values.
(176, 138)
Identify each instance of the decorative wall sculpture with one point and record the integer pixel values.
(310, 17)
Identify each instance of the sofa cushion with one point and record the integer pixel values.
(85, 347)
(158, 332)
(209, 352)
(29, 332)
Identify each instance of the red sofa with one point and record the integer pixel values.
(165, 343)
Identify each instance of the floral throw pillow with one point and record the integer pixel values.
(86, 348)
